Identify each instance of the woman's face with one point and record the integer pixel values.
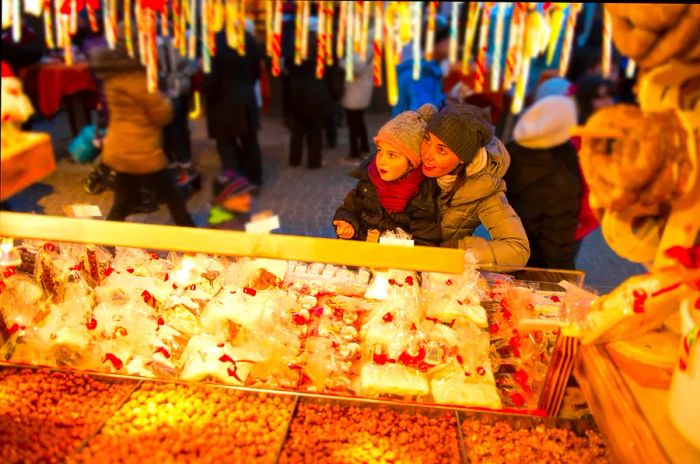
(438, 159)
(391, 163)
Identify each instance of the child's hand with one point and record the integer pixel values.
(344, 230)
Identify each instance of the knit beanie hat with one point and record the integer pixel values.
(235, 184)
(464, 128)
(406, 132)
(547, 123)
(553, 86)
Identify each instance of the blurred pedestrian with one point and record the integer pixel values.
(133, 145)
(231, 203)
(233, 116)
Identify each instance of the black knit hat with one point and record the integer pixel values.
(464, 128)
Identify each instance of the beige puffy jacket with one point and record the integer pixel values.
(481, 200)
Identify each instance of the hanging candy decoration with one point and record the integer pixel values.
(177, 37)
(321, 41)
(574, 9)
(91, 7)
(342, 24)
(231, 33)
(73, 14)
(206, 52)
(164, 26)
(305, 30)
(16, 20)
(329, 33)
(67, 45)
(365, 31)
(182, 24)
(269, 8)
(59, 24)
(556, 21)
(629, 70)
(515, 40)
(277, 40)
(357, 26)
(404, 23)
(109, 32)
(417, 34)
(141, 30)
(298, 23)
(128, 39)
(192, 49)
(430, 38)
(469, 34)
(454, 33)
(349, 32)
(533, 25)
(218, 16)
(392, 87)
(48, 27)
(149, 13)
(480, 74)
(241, 27)
(607, 44)
(498, 47)
(377, 46)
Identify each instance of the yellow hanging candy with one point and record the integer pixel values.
(556, 22)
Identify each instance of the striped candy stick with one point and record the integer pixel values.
(454, 33)
(305, 31)
(269, 11)
(430, 38)
(357, 26)
(498, 47)
(329, 33)
(392, 86)
(377, 45)
(342, 24)
(556, 21)
(206, 52)
(164, 26)
(92, 18)
(241, 27)
(152, 55)
(513, 40)
(298, 23)
(469, 35)
(417, 34)
(349, 33)
(48, 27)
(231, 24)
(607, 44)
(480, 74)
(365, 30)
(127, 29)
(67, 45)
(73, 17)
(277, 40)
(192, 45)
(529, 50)
(321, 41)
(574, 9)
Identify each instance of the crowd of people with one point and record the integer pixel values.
(448, 161)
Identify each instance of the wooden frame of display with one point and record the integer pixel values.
(634, 419)
(26, 162)
(220, 242)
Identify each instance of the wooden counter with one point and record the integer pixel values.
(28, 161)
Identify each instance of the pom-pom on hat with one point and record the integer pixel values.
(547, 123)
(406, 132)
(233, 184)
(463, 128)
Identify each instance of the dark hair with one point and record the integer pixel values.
(587, 88)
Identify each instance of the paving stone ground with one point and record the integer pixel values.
(304, 199)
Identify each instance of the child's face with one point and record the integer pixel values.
(391, 163)
(437, 158)
(239, 203)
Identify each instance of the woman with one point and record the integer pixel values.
(468, 163)
(133, 147)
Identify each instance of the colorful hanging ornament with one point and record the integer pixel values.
(530, 49)
(469, 34)
(392, 85)
(128, 39)
(298, 23)
(16, 21)
(48, 28)
(277, 40)
(515, 39)
(498, 47)
(321, 41)
(629, 70)
(574, 9)
(241, 27)
(556, 21)
(59, 24)
(73, 14)
(377, 45)
(192, 48)
(454, 33)
(607, 44)
(231, 24)
(342, 24)
(364, 37)
(141, 30)
(329, 33)
(349, 41)
(430, 38)
(206, 52)
(417, 34)
(67, 45)
(92, 18)
(305, 31)
(480, 74)
(357, 26)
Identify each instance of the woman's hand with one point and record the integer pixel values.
(344, 230)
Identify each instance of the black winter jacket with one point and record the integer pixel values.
(544, 187)
(362, 209)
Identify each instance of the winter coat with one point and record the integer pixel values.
(136, 116)
(482, 200)
(544, 188)
(309, 96)
(362, 209)
(231, 106)
(413, 94)
(358, 93)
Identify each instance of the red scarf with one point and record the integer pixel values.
(395, 195)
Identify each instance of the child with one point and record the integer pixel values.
(231, 203)
(391, 192)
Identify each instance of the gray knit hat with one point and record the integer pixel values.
(464, 128)
(406, 132)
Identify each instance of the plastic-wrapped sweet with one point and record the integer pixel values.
(330, 366)
(21, 302)
(206, 358)
(200, 272)
(454, 385)
(393, 379)
(317, 278)
(448, 297)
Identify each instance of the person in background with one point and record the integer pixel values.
(133, 145)
(356, 99)
(175, 75)
(428, 87)
(233, 116)
(310, 100)
(232, 203)
(544, 180)
(468, 162)
(392, 191)
(592, 92)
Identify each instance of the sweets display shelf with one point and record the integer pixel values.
(25, 162)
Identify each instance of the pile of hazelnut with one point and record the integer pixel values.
(335, 433)
(46, 415)
(165, 422)
(500, 442)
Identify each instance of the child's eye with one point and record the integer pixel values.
(441, 150)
